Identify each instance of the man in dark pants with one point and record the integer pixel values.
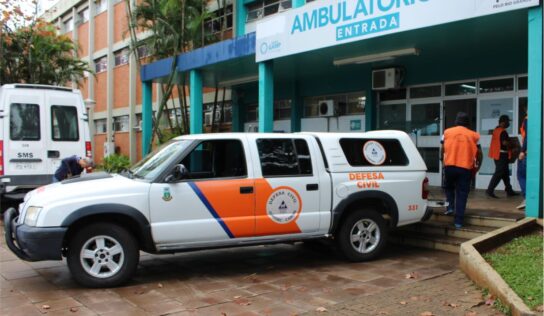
(500, 152)
(461, 155)
(72, 166)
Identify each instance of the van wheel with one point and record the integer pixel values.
(362, 235)
(102, 255)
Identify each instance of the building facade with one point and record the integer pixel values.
(332, 65)
(100, 28)
(352, 66)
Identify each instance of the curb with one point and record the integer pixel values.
(479, 271)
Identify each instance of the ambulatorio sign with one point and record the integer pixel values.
(326, 23)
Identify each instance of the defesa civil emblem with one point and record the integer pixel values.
(166, 196)
(283, 205)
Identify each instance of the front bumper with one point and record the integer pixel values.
(32, 243)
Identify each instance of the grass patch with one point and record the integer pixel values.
(520, 264)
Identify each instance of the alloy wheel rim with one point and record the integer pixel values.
(102, 256)
(365, 236)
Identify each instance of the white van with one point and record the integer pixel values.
(39, 126)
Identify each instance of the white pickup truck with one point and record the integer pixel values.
(224, 190)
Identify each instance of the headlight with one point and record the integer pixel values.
(32, 214)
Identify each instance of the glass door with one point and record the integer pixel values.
(489, 111)
(425, 131)
(452, 107)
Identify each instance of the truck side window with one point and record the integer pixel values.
(24, 120)
(284, 157)
(64, 121)
(216, 159)
(393, 152)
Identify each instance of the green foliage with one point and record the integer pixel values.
(176, 25)
(31, 51)
(520, 264)
(115, 163)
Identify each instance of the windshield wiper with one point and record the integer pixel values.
(127, 173)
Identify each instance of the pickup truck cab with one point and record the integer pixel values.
(223, 190)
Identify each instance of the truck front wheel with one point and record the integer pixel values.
(362, 235)
(102, 255)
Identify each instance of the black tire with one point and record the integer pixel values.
(370, 250)
(113, 268)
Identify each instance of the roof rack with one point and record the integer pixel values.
(41, 86)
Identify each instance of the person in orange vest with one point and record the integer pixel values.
(461, 154)
(522, 162)
(500, 152)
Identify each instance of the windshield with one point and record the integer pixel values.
(154, 163)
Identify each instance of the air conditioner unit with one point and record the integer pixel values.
(384, 79)
(326, 108)
(138, 127)
(208, 117)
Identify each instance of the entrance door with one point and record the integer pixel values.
(425, 132)
(490, 109)
(452, 107)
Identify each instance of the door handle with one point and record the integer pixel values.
(246, 190)
(312, 187)
(53, 154)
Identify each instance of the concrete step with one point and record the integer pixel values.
(482, 218)
(425, 240)
(447, 229)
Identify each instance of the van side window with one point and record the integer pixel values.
(64, 123)
(284, 157)
(24, 120)
(391, 155)
(216, 159)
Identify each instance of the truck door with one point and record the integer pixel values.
(24, 141)
(214, 203)
(287, 194)
(64, 128)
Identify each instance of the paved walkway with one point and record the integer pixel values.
(263, 280)
(448, 294)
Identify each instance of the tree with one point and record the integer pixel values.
(31, 51)
(177, 26)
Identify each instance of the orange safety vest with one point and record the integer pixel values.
(460, 147)
(495, 147)
(522, 129)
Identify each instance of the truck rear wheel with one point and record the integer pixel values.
(362, 235)
(102, 255)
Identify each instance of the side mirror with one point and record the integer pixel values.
(178, 173)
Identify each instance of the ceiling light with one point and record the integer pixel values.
(390, 55)
(238, 81)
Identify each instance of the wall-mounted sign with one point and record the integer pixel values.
(355, 125)
(327, 23)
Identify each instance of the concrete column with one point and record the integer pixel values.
(110, 83)
(75, 37)
(132, 64)
(534, 116)
(298, 3)
(147, 116)
(90, 79)
(266, 97)
(240, 14)
(195, 78)
(370, 110)
(237, 112)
